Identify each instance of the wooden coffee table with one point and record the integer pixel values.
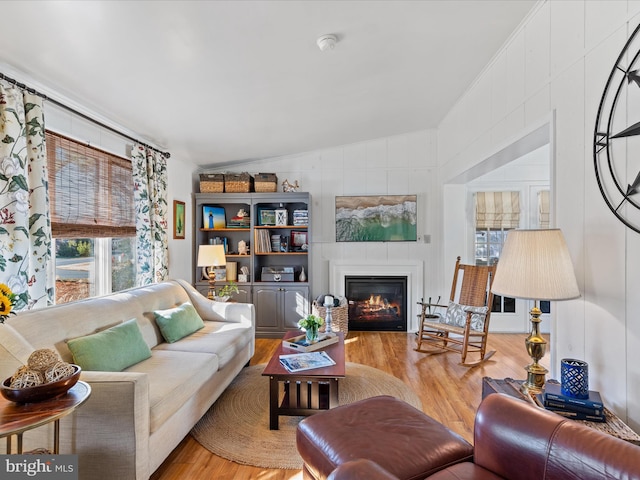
(307, 392)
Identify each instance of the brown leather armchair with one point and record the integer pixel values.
(517, 441)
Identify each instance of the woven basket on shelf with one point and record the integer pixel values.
(238, 182)
(266, 182)
(211, 183)
(339, 316)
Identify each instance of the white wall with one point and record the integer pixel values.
(180, 175)
(556, 65)
(403, 164)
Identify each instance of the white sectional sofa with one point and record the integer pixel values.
(135, 417)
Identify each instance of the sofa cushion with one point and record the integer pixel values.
(176, 323)
(111, 350)
(174, 378)
(223, 339)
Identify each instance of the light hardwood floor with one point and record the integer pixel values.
(449, 392)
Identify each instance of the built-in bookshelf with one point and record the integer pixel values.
(267, 236)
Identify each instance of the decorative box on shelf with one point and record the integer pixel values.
(277, 274)
(301, 344)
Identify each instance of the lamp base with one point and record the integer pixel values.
(211, 275)
(536, 347)
(536, 375)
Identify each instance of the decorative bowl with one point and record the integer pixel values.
(42, 392)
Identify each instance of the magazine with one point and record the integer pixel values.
(298, 362)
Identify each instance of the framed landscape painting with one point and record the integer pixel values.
(381, 218)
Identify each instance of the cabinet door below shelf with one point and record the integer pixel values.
(295, 305)
(266, 301)
(278, 309)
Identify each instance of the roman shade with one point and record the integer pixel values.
(497, 210)
(543, 209)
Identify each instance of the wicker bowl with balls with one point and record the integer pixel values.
(45, 376)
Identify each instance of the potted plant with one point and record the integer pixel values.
(310, 324)
(226, 291)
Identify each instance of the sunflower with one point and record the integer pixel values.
(5, 290)
(5, 306)
(7, 301)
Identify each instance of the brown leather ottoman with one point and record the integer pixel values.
(398, 437)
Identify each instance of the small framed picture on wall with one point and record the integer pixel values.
(178, 220)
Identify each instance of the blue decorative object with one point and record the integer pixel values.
(574, 378)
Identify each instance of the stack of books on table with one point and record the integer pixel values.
(591, 408)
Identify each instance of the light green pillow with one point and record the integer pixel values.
(176, 323)
(111, 350)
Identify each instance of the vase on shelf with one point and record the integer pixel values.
(303, 276)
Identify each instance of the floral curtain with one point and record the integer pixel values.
(150, 197)
(25, 227)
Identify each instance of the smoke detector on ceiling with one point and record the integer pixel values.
(327, 42)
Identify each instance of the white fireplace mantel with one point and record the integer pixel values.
(412, 269)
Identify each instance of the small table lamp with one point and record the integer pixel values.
(209, 257)
(535, 265)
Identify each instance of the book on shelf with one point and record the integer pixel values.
(300, 217)
(263, 241)
(553, 391)
(301, 344)
(298, 362)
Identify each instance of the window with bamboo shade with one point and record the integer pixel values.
(90, 191)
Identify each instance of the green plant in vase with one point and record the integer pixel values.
(311, 324)
(226, 291)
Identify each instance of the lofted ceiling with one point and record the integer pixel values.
(216, 82)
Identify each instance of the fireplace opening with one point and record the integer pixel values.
(377, 303)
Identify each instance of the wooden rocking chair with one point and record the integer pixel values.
(464, 326)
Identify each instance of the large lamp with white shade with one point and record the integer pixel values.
(535, 265)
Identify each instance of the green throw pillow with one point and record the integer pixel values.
(176, 323)
(111, 350)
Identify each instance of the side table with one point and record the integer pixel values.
(613, 426)
(16, 418)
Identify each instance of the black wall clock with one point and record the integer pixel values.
(616, 142)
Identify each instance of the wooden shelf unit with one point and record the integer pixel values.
(278, 304)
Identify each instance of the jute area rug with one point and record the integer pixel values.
(236, 427)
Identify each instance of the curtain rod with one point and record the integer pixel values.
(80, 114)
